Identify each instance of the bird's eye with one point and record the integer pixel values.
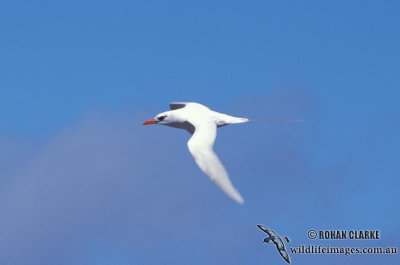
(161, 118)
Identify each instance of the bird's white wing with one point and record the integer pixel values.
(177, 105)
(201, 147)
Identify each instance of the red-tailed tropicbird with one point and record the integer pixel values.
(202, 123)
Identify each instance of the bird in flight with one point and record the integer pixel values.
(277, 240)
(202, 123)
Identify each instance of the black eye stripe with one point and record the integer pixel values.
(161, 118)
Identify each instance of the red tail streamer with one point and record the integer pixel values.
(278, 120)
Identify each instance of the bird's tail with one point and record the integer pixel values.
(241, 120)
(231, 120)
(276, 120)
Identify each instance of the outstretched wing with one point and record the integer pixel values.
(263, 228)
(270, 232)
(177, 105)
(283, 252)
(201, 147)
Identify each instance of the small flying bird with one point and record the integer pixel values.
(202, 123)
(277, 240)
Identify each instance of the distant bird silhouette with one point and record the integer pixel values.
(277, 240)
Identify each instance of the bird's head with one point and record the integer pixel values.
(267, 240)
(163, 118)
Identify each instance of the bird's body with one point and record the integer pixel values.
(202, 123)
(197, 115)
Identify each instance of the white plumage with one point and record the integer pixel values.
(202, 123)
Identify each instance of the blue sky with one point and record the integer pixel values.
(83, 183)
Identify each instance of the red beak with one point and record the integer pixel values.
(151, 121)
